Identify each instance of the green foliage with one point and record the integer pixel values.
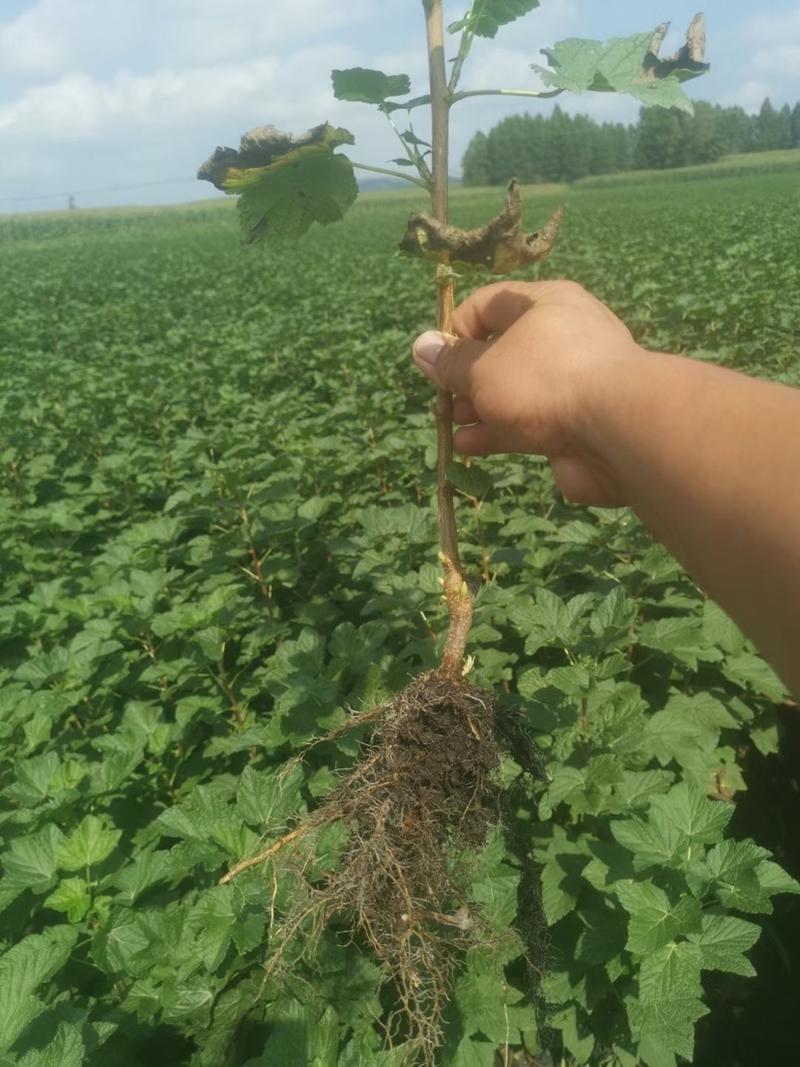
(485, 17)
(216, 541)
(567, 148)
(368, 86)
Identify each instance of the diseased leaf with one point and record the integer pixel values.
(368, 86)
(627, 65)
(285, 183)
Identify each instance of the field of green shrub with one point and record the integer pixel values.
(737, 165)
(217, 540)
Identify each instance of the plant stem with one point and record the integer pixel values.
(391, 174)
(467, 93)
(456, 590)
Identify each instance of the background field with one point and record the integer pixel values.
(215, 536)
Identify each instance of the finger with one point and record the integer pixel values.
(450, 365)
(464, 412)
(478, 441)
(494, 308)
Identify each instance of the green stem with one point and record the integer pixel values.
(464, 49)
(454, 99)
(391, 174)
(413, 153)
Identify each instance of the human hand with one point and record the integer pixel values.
(531, 369)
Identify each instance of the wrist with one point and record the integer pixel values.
(616, 400)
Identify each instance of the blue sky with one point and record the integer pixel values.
(116, 94)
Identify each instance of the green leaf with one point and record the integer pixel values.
(470, 480)
(368, 86)
(665, 1026)
(72, 897)
(496, 892)
(89, 844)
(624, 65)
(31, 861)
(485, 17)
(561, 886)
(549, 620)
(268, 798)
(488, 1005)
(653, 920)
(210, 924)
(285, 183)
(575, 1033)
(671, 971)
(65, 1050)
(774, 879)
(473, 1053)
(656, 842)
(638, 787)
(754, 673)
(723, 942)
(22, 969)
(719, 629)
(689, 810)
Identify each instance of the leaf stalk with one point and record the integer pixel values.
(391, 174)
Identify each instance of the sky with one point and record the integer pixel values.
(119, 101)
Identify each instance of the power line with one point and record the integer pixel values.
(91, 192)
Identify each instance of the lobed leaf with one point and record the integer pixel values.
(364, 86)
(485, 17)
(626, 65)
(22, 970)
(285, 183)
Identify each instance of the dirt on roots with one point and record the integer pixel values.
(418, 804)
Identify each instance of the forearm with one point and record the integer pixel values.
(710, 461)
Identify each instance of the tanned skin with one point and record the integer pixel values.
(709, 459)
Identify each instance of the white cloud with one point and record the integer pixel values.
(97, 92)
(771, 43)
(749, 95)
(55, 37)
(78, 107)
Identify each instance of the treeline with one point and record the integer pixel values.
(563, 148)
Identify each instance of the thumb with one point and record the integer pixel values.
(448, 361)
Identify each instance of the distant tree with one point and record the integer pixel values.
(734, 129)
(795, 122)
(564, 147)
(702, 140)
(784, 127)
(660, 139)
(767, 128)
(477, 167)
